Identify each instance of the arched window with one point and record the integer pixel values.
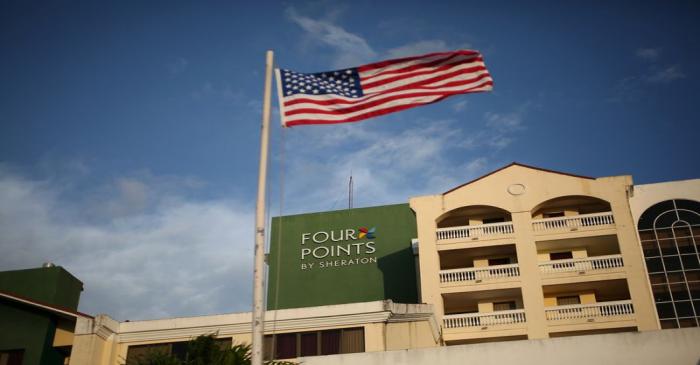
(670, 238)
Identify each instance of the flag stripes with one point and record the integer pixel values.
(384, 87)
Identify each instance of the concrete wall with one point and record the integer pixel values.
(678, 346)
(647, 195)
(538, 187)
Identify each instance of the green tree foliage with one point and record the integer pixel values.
(204, 350)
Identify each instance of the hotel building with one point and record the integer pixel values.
(522, 253)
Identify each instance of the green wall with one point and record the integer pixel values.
(27, 327)
(354, 269)
(49, 285)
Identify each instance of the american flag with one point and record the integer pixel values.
(358, 93)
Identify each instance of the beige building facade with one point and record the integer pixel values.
(529, 253)
(522, 253)
(357, 327)
(668, 226)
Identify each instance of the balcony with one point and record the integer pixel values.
(475, 231)
(483, 315)
(481, 320)
(459, 227)
(591, 312)
(581, 265)
(479, 273)
(588, 306)
(572, 223)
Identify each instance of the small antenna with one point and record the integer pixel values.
(350, 192)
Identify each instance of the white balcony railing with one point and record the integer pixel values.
(573, 222)
(484, 319)
(602, 309)
(582, 264)
(476, 231)
(479, 273)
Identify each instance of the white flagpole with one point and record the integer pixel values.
(259, 270)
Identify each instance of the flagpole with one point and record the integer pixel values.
(259, 269)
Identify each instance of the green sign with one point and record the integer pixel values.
(345, 256)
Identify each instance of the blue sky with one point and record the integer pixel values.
(130, 130)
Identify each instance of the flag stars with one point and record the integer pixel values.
(340, 83)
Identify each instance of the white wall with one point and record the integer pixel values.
(678, 346)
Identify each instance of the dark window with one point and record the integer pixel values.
(504, 306)
(661, 293)
(685, 245)
(666, 220)
(694, 286)
(309, 344)
(675, 277)
(684, 309)
(176, 349)
(352, 340)
(646, 221)
(691, 205)
(672, 263)
(286, 346)
(669, 323)
(690, 262)
(561, 255)
(688, 322)
(664, 233)
(650, 248)
(499, 261)
(552, 214)
(11, 357)
(569, 300)
(657, 278)
(679, 292)
(665, 310)
(693, 275)
(654, 265)
(682, 230)
(135, 353)
(647, 235)
(668, 247)
(493, 220)
(329, 342)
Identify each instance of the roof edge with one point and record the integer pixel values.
(521, 165)
(49, 307)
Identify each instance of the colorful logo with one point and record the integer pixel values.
(366, 233)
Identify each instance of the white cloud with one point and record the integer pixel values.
(505, 122)
(459, 106)
(388, 166)
(165, 255)
(418, 48)
(350, 49)
(666, 75)
(648, 54)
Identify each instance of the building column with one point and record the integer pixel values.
(633, 261)
(533, 297)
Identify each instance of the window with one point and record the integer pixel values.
(11, 357)
(499, 261)
(177, 349)
(328, 342)
(561, 255)
(493, 220)
(504, 306)
(556, 256)
(669, 241)
(552, 214)
(569, 300)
